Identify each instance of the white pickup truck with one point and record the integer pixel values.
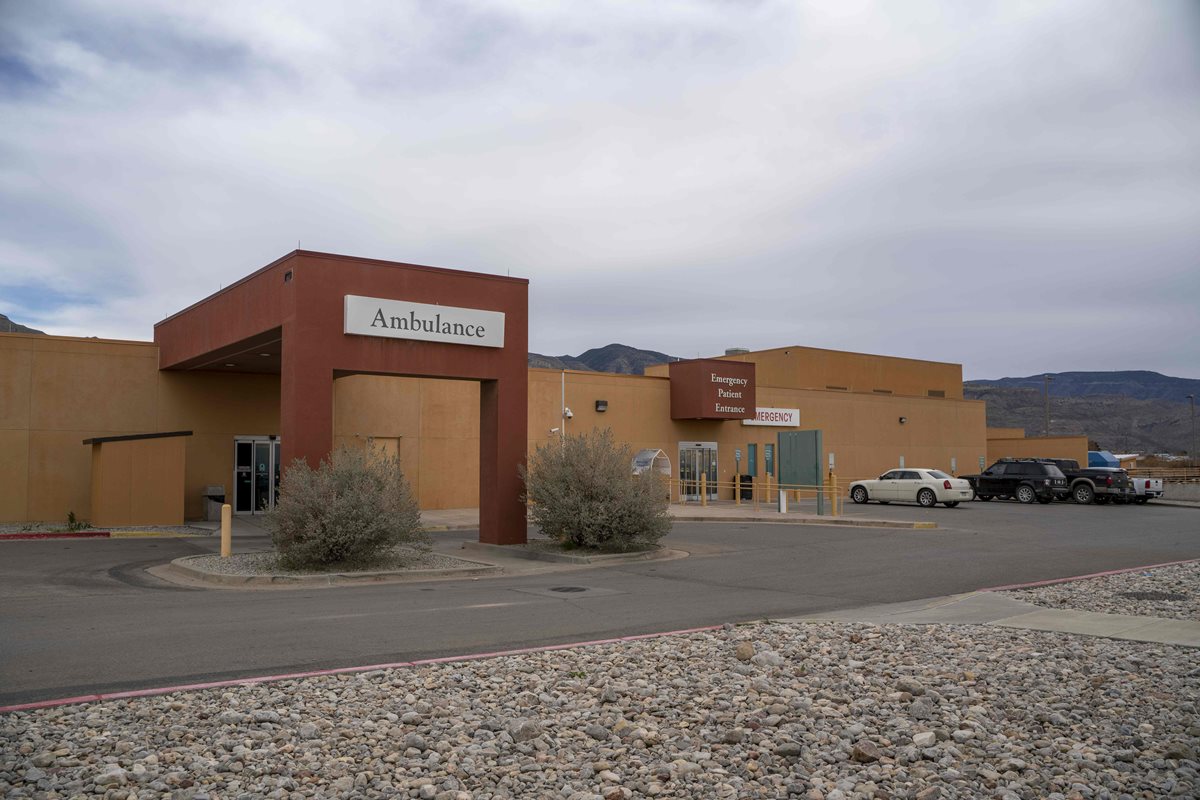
(1147, 488)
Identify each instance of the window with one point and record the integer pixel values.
(996, 469)
(882, 391)
(894, 475)
(910, 475)
(837, 388)
(752, 460)
(769, 458)
(936, 393)
(939, 475)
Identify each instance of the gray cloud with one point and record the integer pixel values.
(914, 179)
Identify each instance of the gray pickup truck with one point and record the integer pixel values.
(1094, 484)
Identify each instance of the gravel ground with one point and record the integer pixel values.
(830, 711)
(1180, 583)
(266, 563)
(55, 527)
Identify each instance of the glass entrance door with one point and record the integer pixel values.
(696, 459)
(255, 474)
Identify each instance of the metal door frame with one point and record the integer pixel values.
(694, 456)
(273, 472)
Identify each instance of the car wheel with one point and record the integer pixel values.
(951, 504)
(927, 498)
(1025, 493)
(859, 494)
(1083, 494)
(984, 497)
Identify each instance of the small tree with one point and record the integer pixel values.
(584, 493)
(353, 510)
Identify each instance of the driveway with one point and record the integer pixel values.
(83, 616)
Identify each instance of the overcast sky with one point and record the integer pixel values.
(1011, 186)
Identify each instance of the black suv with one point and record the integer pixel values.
(1026, 479)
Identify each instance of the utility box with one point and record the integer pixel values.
(747, 487)
(214, 498)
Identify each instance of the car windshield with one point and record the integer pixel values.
(937, 473)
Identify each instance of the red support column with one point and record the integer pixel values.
(305, 407)
(501, 452)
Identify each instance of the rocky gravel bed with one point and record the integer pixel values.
(1171, 592)
(267, 563)
(57, 527)
(831, 711)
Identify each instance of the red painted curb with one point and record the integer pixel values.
(1053, 581)
(55, 535)
(134, 693)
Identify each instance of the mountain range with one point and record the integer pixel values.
(1138, 384)
(8, 326)
(619, 358)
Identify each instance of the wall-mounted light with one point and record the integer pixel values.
(230, 364)
(602, 406)
(903, 420)
(568, 413)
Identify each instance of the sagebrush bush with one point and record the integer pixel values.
(583, 493)
(353, 510)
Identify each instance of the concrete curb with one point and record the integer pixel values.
(1174, 503)
(183, 569)
(849, 523)
(27, 536)
(292, 676)
(516, 551)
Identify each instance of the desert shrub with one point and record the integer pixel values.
(583, 494)
(353, 510)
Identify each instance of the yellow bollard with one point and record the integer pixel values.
(703, 489)
(226, 530)
(737, 490)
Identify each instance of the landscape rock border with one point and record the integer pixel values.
(534, 554)
(183, 568)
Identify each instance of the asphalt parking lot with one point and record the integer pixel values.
(83, 615)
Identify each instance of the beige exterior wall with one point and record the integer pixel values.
(836, 370)
(1075, 447)
(57, 391)
(862, 430)
(138, 482)
(1006, 433)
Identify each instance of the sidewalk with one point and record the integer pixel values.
(720, 511)
(993, 608)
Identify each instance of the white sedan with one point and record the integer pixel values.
(927, 487)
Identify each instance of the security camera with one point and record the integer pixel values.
(567, 413)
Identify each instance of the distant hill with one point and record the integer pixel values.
(1138, 384)
(1129, 412)
(619, 358)
(8, 326)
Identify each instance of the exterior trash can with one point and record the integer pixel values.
(747, 487)
(214, 498)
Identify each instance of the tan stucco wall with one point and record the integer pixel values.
(436, 423)
(1007, 433)
(815, 368)
(1075, 447)
(138, 482)
(57, 391)
(862, 430)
